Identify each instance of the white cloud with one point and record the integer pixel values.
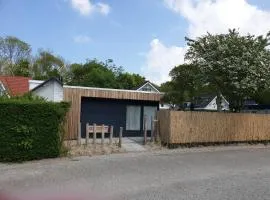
(103, 8)
(82, 39)
(217, 16)
(85, 7)
(214, 16)
(161, 59)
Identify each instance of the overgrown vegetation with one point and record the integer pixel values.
(233, 65)
(30, 128)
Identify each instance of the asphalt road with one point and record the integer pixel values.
(219, 174)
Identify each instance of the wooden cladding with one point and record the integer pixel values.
(74, 94)
(178, 127)
(70, 91)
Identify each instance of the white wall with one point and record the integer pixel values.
(164, 106)
(58, 92)
(51, 91)
(213, 105)
(46, 91)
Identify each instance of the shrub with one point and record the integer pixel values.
(30, 129)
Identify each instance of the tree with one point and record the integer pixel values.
(102, 74)
(172, 95)
(262, 97)
(47, 65)
(186, 83)
(234, 65)
(12, 52)
(23, 68)
(92, 74)
(187, 80)
(129, 81)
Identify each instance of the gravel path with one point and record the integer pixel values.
(199, 173)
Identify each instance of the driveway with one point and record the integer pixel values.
(218, 173)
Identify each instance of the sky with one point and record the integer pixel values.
(143, 36)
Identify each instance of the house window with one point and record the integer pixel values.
(149, 112)
(147, 88)
(133, 118)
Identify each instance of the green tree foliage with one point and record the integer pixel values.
(129, 81)
(47, 65)
(172, 95)
(234, 65)
(92, 74)
(13, 51)
(22, 68)
(105, 75)
(186, 79)
(186, 83)
(263, 97)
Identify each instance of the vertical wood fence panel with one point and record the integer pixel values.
(178, 127)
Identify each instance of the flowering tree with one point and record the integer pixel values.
(233, 65)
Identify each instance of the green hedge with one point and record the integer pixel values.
(30, 129)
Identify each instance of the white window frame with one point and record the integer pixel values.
(146, 109)
(132, 118)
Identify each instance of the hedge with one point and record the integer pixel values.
(30, 129)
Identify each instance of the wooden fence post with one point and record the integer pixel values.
(120, 137)
(152, 129)
(94, 133)
(157, 131)
(145, 129)
(102, 134)
(79, 134)
(87, 134)
(111, 134)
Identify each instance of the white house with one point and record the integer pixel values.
(150, 87)
(51, 89)
(208, 102)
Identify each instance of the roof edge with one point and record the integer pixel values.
(47, 81)
(110, 89)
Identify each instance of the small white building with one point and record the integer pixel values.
(150, 87)
(208, 103)
(51, 89)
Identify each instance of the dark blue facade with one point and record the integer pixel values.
(111, 112)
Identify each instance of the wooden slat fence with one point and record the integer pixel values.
(178, 127)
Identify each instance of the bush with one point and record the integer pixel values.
(30, 129)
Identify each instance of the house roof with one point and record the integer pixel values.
(203, 101)
(15, 85)
(47, 81)
(148, 82)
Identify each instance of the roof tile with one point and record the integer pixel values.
(16, 85)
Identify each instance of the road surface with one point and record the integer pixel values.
(216, 174)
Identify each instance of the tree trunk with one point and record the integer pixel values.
(218, 102)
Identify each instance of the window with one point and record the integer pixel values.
(133, 118)
(147, 88)
(149, 112)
